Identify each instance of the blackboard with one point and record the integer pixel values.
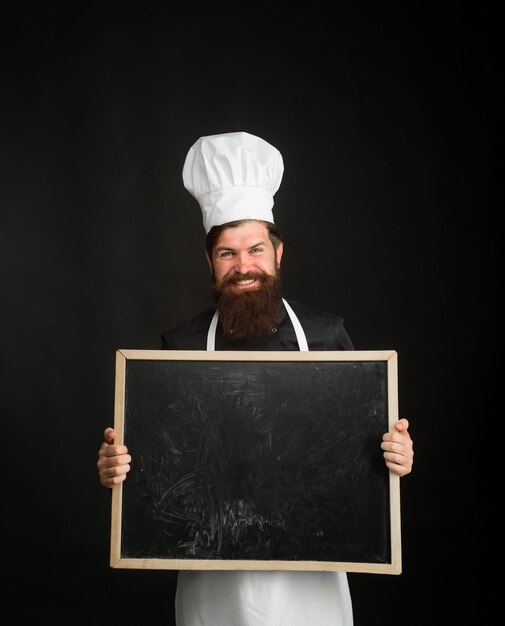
(256, 460)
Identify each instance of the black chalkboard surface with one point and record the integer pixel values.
(256, 460)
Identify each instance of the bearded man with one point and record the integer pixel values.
(234, 177)
(244, 257)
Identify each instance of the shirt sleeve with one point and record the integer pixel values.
(343, 340)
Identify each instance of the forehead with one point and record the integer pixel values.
(243, 236)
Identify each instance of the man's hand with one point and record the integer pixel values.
(113, 460)
(398, 448)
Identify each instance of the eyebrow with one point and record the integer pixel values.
(227, 248)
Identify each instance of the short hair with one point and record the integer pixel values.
(214, 233)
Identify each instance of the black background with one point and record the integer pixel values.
(390, 125)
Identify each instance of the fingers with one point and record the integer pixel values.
(398, 448)
(110, 476)
(112, 450)
(397, 463)
(397, 468)
(112, 467)
(113, 460)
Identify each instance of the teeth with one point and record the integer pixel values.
(244, 282)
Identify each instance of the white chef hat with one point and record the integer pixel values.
(233, 176)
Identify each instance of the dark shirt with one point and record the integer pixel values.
(324, 331)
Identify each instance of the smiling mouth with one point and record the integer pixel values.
(243, 282)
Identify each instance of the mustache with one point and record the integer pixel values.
(237, 276)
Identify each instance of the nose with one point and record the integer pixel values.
(242, 263)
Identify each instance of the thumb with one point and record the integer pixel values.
(402, 425)
(109, 434)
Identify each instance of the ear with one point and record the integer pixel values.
(278, 253)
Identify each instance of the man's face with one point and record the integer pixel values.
(242, 251)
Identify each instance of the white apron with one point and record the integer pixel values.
(263, 598)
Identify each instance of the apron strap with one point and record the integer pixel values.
(303, 346)
(211, 334)
(300, 335)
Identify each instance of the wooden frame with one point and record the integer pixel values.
(128, 361)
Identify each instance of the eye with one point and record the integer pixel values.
(256, 250)
(225, 253)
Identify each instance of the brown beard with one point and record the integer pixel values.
(250, 312)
